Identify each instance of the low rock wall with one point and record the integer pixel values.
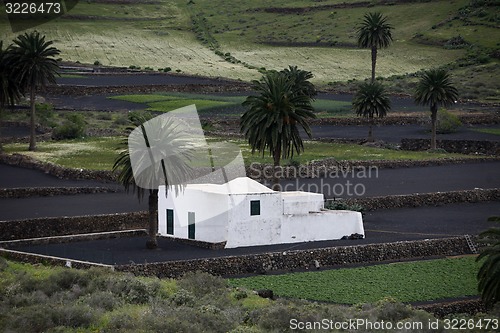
(303, 259)
(26, 192)
(60, 226)
(441, 310)
(55, 170)
(454, 146)
(425, 199)
(97, 90)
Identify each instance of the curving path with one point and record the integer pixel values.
(380, 227)
(388, 181)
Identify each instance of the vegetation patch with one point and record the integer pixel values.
(494, 131)
(100, 153)
(407, 282)
(35, 298)
(88, 153)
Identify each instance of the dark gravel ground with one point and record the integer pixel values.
(389, 181)
(13, 177)
(394, 133)
(453, 177)
(102, 80)
(381, 227)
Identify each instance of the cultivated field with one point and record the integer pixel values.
(234, 39)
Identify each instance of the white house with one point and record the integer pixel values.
(243, 212)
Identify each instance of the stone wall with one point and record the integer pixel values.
(454, 146)
(303, 259)
(26, 192)
(425, 199)
(441, 310)
(59, 226)
(97, 90)
(472, 119)
(55, 170)
(73, 238)
(48, 260)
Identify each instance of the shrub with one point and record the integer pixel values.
(105, 300)
(201, 284)
(240, 294)
(45, 113)
(73, 127)
(447, 122)
(73, 315)
(40, 319)
(388, 309)
(104, 116)
(121, 322)
(167, 69)
(342, 205)
(183, 297)
(3, 264)
(97, 63)
(129, 288)
(121, 120)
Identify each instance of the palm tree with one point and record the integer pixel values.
(9, 89)
(274, 115)
(434, 89)
(34, 65)
(489, 273)
(300, 79)
(371, 100)
(374, 32)
(171, 171)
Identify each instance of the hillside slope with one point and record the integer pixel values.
(235, 39)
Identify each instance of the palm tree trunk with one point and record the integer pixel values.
(374, 62)
(433, 126)
(1, 117)
(152, 242)
(32, 146)
(370, 130)
(276, 158)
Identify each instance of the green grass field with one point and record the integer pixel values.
(406, 282)
(99, 153)
(495, 131)
(321, 39)
(223, 105)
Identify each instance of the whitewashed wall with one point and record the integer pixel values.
(263, 229)
(319, 226)
(302, 202)
(284, 218)
(211, 214)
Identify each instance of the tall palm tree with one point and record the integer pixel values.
(274, 115)
(371, 100)
(374, 32)
(434, 89)
(489, 272)
(33, 61)
(171, 171)
(10, 92)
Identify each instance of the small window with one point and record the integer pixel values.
(170, 221)
(255, 207)
(191, 225)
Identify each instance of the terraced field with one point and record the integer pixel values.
(235, 39)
